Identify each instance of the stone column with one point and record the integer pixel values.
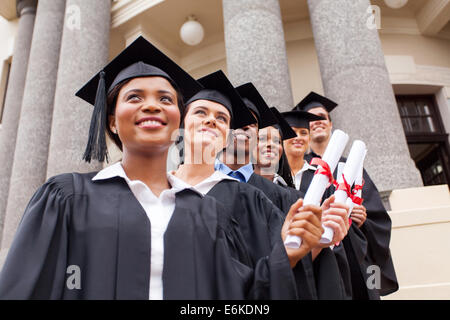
(26, 10)
(256, 49)
(84, 51)
(354, 75)
(33, 137)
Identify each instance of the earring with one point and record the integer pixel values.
(114, 131)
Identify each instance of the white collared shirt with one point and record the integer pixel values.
(204, 186)
(298, 176)
(159, 210)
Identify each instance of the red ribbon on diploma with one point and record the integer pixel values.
(358, 187)
(324, 169)
(355, 199)
(345, 187)
(351, 193)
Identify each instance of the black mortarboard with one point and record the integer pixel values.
(139, 59)
(217, 88)
(282, 125)
(255, 102)
(300, 119)
(313, 100)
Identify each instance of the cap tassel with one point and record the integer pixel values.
(96, 146)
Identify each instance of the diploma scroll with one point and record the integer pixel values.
(349, 173)
(320, 182)
(358, 181)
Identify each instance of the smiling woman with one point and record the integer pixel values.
(146, 112)
(211, 113)
(168, 95)
(206, 128)
(297, 147)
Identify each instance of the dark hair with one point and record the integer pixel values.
(284, 170)
(179, 143)
(112, 101)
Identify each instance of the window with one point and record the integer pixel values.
(4, 85)
(426, 137)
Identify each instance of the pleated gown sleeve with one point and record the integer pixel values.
(311, 278)
(260, 223)
(369, 245)
(79, 239)
(35, 266)
(283, 198)
(377, 229)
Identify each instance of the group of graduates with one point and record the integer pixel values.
(215, 227)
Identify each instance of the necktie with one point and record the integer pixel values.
(237, 175)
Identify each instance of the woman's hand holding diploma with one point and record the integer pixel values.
(305, 222)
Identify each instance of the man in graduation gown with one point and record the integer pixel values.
(326, 284)
(368, 240)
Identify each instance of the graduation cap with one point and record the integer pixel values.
(139, 59)
(300, 119)
(282, 125)
(313, 100)
(217, 88)
(255, 102)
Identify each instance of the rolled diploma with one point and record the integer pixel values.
(350, 204)
(358, 181)
(319, 182)
(349, 201)
(340, 169)
(351, 168)
(359, 176)
(327, 232)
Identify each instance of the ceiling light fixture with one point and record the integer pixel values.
(191, 31)
(395, 4)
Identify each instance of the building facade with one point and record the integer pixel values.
(386, 62)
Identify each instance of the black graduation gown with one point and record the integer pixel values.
(339, 251)
(101, 228)
(377, 232)
(312, 272)
(322, 277)
(260, 222)
(307, 177)
(332, 274)
(368, 245)
(282, 198)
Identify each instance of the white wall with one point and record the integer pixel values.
(8, 31)
(420, 242)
